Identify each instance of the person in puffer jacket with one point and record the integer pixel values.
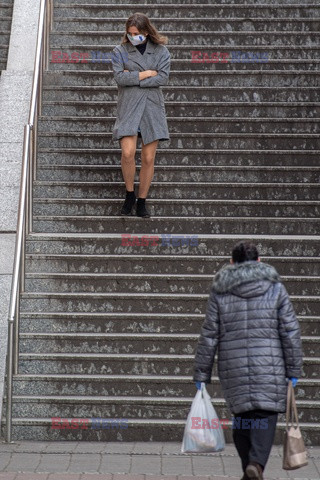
(250, 321)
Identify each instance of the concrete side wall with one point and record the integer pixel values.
(15, 94)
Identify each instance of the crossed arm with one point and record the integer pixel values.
(146, 74)
(146, 78)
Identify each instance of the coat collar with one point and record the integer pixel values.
(135, 55)
(232, 276)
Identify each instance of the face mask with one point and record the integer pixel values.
(136, 39)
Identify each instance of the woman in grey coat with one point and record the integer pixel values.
(141, 65)
(251, 322)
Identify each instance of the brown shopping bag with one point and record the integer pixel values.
(294, 451)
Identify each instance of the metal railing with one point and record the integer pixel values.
(24, 222)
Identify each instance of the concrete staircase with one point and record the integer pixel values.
(6, 7)
(109, 330)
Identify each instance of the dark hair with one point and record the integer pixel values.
(244, 252)
(143, 24)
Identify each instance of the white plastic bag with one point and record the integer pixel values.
(203, 432)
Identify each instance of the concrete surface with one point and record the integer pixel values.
(134, 461)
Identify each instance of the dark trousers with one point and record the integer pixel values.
(253, 434)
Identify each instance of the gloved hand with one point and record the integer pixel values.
(198, 385)
(294, 381)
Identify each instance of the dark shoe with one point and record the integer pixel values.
(141, 208)
(254, 471)
(245, 477)
(128, 203)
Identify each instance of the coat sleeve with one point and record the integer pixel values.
(163, 72)
(123, 79)
(289, 331)
(208, 341)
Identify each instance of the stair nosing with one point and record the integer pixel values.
(178, 87)
(149, 295)
(187, 72)
(181, 184)
(110, 377)
(185, 134)
(179, 200)
(210, 168)
(74, 118)
(194, 32)
(168, 19)
(165, 276)
(134, 422)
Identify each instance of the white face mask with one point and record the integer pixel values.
(136, 39)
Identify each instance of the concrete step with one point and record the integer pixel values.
(148, 408)
(128, 260)
(181, 10)
(144, 283)
(180, 208)
(121, 364)
(134, 385)
(87, 39)
(4, 35)
(71, 95)
(4, 53)
(138, 302)
(172, 173)
(5, 23)
(124, 364)
(75, 156)
(183, 112)
(182, 323)
(181, 123)
(241, 78)
(241, 141)
(181, 225)
(168, 2)
(145, 430)
(284, 52)
(280, 249)
(128, 343)
(191, 190)
(246, 57)
(199, 24)
(108, 343)
(5, 9)
(96, 61)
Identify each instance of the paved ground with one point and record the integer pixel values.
(133, 461)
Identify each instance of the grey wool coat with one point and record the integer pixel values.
(250, 321)
(141, 102)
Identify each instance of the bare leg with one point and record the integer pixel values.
(148, 153)
(128, 164)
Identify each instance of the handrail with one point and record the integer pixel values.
(25, 217)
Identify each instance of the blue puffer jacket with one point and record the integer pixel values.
(251, 322)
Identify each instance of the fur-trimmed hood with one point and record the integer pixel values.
(247, 279)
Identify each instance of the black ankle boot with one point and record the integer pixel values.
(128, 203)
(141, 208)
(245, 477)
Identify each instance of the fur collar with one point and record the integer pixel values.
(232, 276)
